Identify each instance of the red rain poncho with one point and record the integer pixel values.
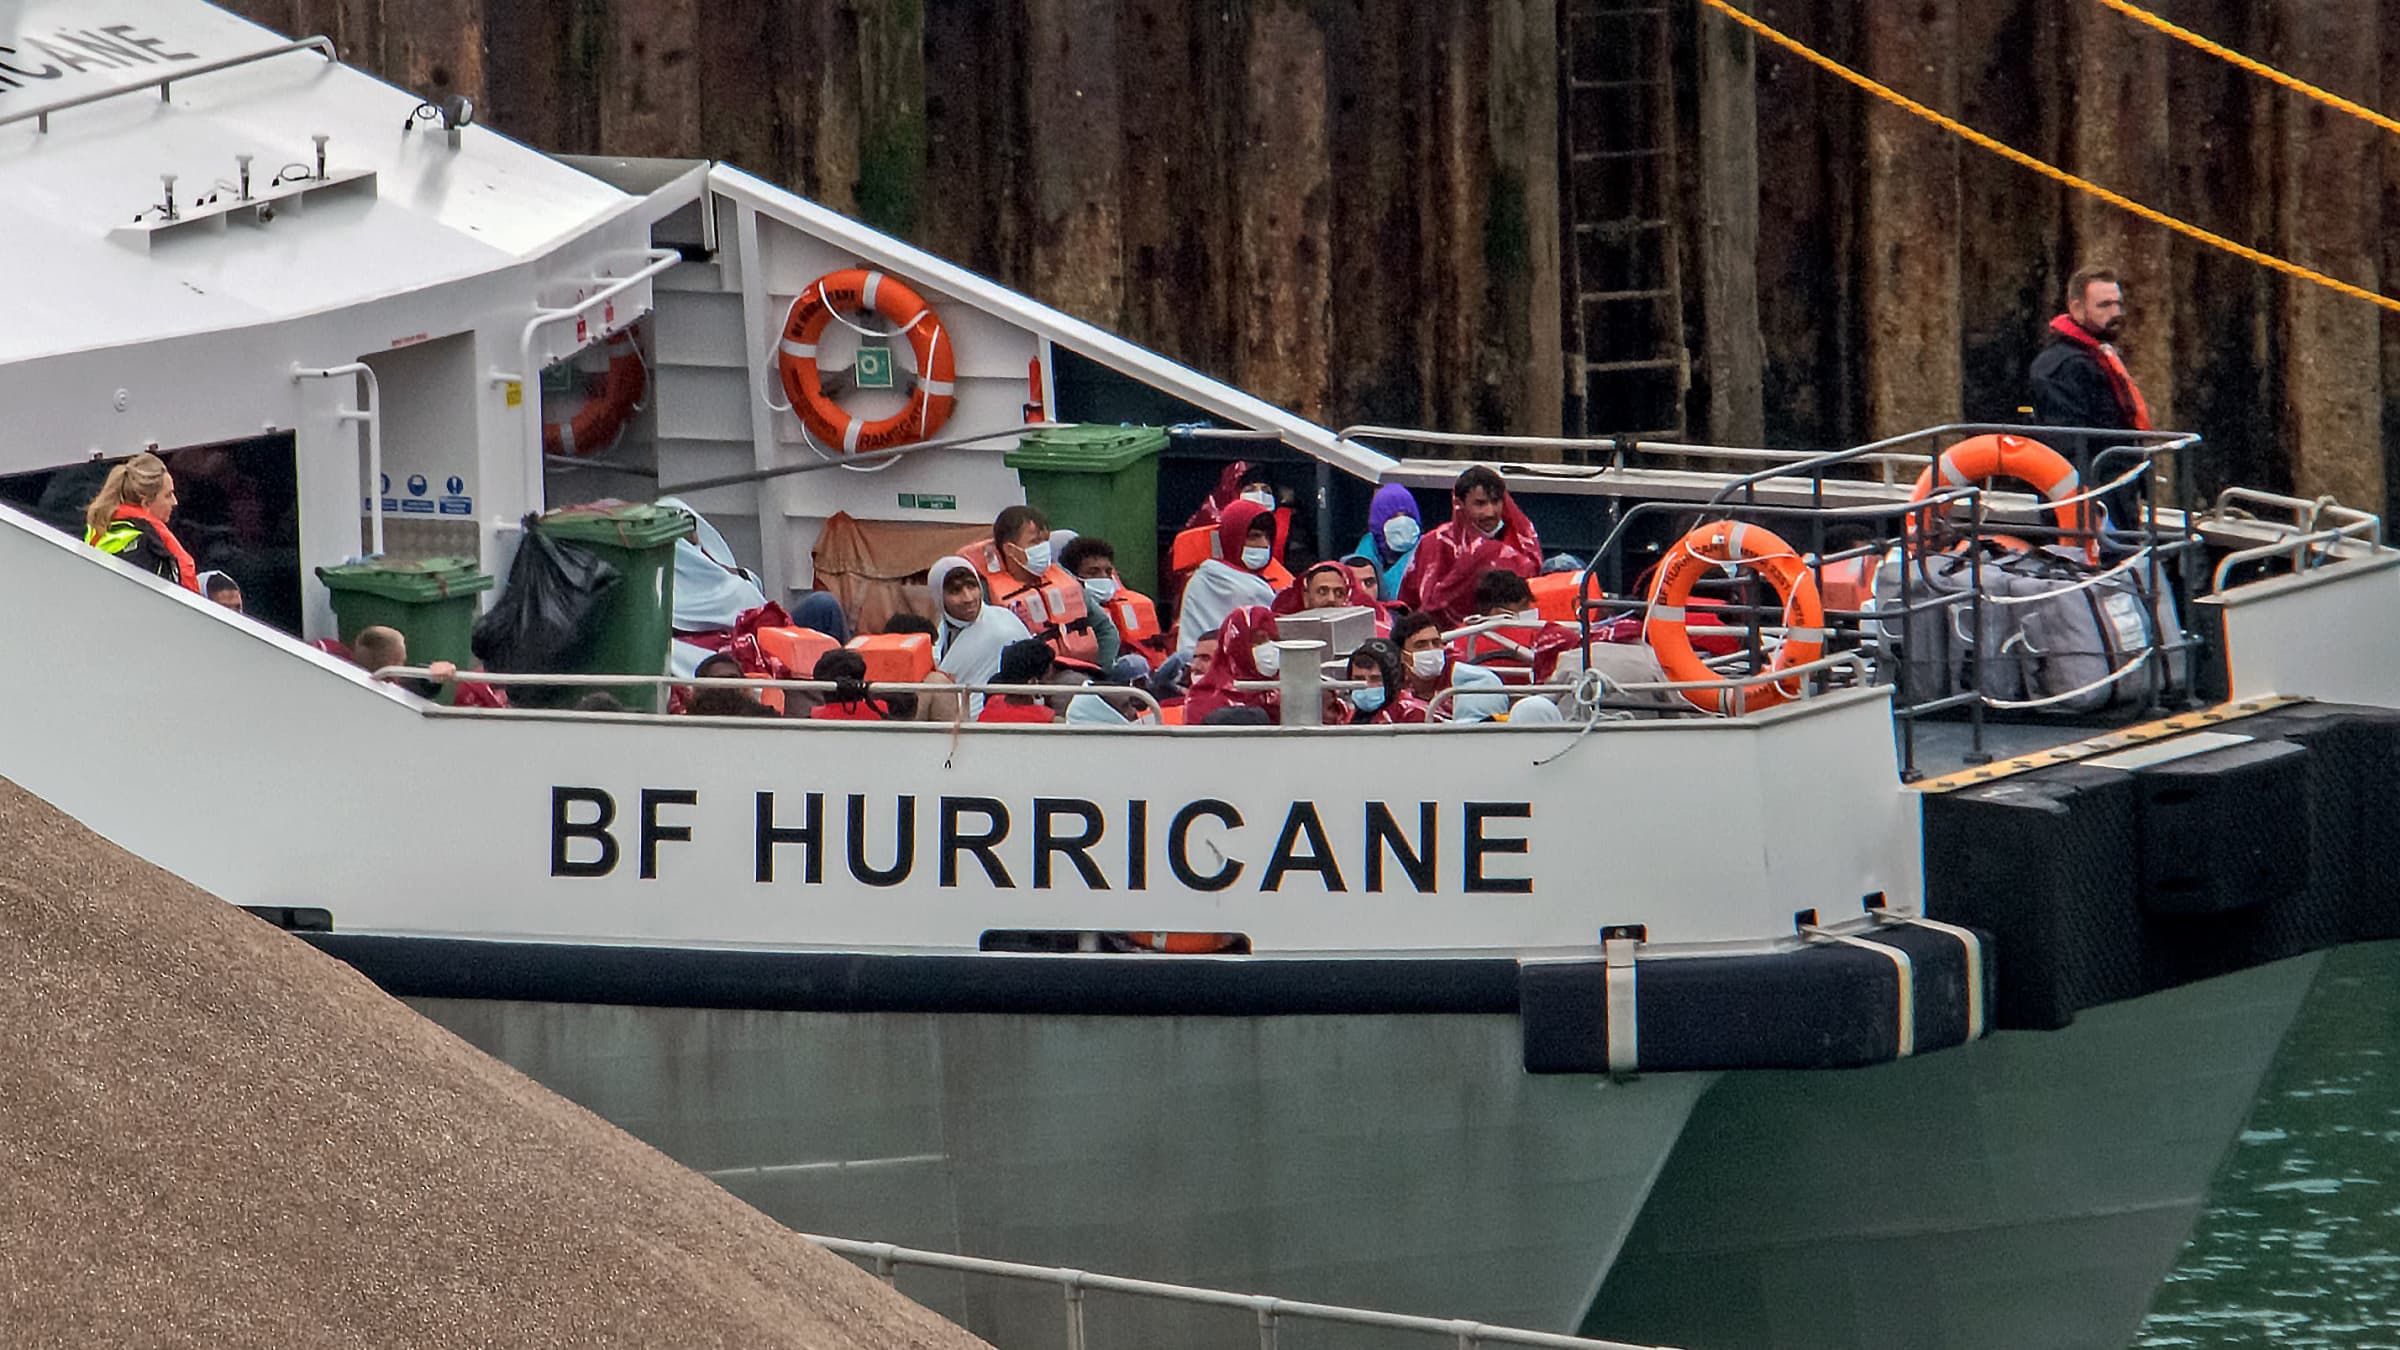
(1442, 578)
(1237, 643)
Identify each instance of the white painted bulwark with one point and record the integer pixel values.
(2324, 634)
(402, 820)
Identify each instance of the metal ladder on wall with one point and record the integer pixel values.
(1627, 366)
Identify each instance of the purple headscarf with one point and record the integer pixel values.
(1392, 499)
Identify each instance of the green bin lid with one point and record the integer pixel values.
(1086, 449)
(627, 525)
(421, 580)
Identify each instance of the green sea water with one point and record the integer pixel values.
(2300, 1244)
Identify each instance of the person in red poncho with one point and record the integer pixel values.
(1329, 585)
(129, 519)
(1485, 530)
(1244, 652)
(1529, 647)
(1237, 482)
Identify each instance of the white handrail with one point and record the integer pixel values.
(1604, 443)
(2297, 546)
(165, 84)
(1855, 660)
(2306, 513)
(887, 1259)
(504, 679)
(372, 416)
(656, 260)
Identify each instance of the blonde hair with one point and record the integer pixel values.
(378, 646)
(137, 480)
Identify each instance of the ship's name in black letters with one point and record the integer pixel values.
(1058, 842)
(31, 59)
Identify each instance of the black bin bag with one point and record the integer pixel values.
(547, 619)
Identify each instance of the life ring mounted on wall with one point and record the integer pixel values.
(835, 297)
(596, 425)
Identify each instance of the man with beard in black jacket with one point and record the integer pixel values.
(2079, 380)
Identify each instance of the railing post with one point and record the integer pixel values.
(1266, 1325)
(1073, 1285)
(1302, 676)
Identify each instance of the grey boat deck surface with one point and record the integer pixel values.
(1944, 744)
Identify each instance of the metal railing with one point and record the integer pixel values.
(527, 377)
(2306, 529)
(506, 679)
(1856, 662)
(2126, 467)
(369, 416)
(1618, 449)
(164, 84)
(886, 1261)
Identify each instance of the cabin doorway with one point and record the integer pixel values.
(429, 485)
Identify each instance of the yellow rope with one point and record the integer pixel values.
(2258, 68)
(2050, 171)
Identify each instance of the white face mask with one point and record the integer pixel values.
(1037, 557)
(1263, 496)
(1527, 616)
(1100, 589)
(1257, 556)
(1268, 659)
(1428, 663)
(1492, 531)
(1400, 534)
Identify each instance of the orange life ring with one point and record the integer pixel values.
(1705, 549)
(1980, 459)
(857, 290)
(1184, 944)
(602, 418)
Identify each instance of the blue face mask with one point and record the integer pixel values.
(1256, 557)
(1400, 533)
(1367, 700)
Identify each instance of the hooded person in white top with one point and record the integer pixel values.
(973, 633)
(711, 589)
(1219, 586)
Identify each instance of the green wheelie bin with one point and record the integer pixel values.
(430, 600)
(638, 539)
(1099, 480)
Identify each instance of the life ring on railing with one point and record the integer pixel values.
(1980, 459)
(602, 418)
(857, 290)
(1712, 546)
(1184, 944)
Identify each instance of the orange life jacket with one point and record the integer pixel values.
(1200, 543)
(1052, 607)
(1136, 619)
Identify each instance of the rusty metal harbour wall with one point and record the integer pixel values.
(1413, 210)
